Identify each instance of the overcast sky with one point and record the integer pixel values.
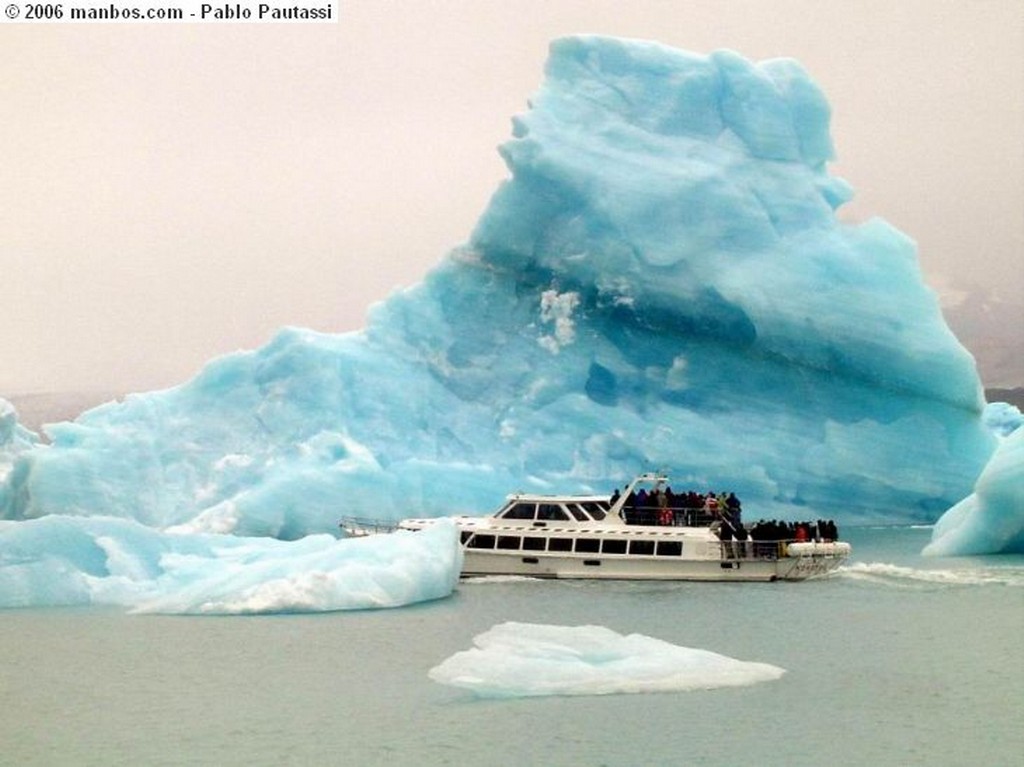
(174, 193)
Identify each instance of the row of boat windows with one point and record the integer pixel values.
(583, 545)
(582, 512)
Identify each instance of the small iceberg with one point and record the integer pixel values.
(63, 560)
(991, 519)
(514, 660)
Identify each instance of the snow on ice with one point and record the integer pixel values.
(662, 283)
(523, 659)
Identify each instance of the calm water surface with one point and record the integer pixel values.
(898, 660)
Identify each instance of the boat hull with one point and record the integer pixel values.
(573, 566)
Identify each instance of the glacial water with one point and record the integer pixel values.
(896, 660)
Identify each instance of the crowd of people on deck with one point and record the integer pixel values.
(665, 507)
(722, 511)
(773, 530)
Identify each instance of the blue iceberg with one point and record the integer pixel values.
(1002, 418)
(514, 660)
(662, 283)
(991, 519)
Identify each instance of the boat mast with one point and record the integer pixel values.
(649, 477)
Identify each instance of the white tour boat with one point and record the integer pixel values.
(601, 537)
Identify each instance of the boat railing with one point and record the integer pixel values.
(749, 549)
(738, 551)
(359, 527)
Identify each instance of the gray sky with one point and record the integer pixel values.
(174, 193)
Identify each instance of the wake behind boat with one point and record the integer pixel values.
(638, 535)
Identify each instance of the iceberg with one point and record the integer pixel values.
(991, 519)
(15, 439)
(62, 561)
(1002, 418)
(514, 660)
(662, 282)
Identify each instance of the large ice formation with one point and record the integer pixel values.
(991, 519)
(523, 659)
(661, 283)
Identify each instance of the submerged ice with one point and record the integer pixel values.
(523, 659)
(662, 282)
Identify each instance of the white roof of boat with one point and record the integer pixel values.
(564, 498)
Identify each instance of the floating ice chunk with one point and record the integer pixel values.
(317, 574)
(74, 561)
(1002, 418)
(991, 519)
(524, 659)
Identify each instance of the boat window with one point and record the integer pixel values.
(551, 511)
(465, 535)
(481, 542)
(533, 544)
(560, 544)
(520, 511)
(508, 542)
(588, 545)
(641, 547)
(576, 511)
(613, 546)
(597, 510)
(670, 548)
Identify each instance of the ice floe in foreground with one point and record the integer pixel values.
(514, 660)
(59, 561)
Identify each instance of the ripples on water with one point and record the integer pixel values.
(895, 575)
(896, 659)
